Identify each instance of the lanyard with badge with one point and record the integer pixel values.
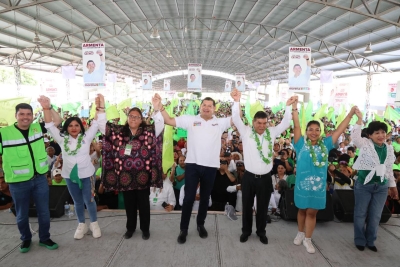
(155, 199)
(128, 147)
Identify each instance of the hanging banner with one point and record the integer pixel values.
(49, 87)
(340, 94)
(167, 84)
(94, 64)
(194, 77)
(299, 69)
(170, 94)
(147, 83)
(228, 86)
(68, 72)
(392, 93)
(240, 81)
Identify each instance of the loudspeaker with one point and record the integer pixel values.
(343, 206)
(58, 195)
(288, 209)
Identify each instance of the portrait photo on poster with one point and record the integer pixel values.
(299, 69)
(93, 60)
(147, 83)
(228, 86)
(240, 82)
(167, 84)
(194, 78)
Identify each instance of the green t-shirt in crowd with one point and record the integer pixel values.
(179, 171)
(362, 174)
(63, 182)
(396, 146)
(291, 180)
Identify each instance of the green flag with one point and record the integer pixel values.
(122, 117)
(92, 111)
(341, 115)
(321, 112)
(7, 107)
(302, 119)
(309, 111)
(254, 108)
(127, 103)
(168, 147)
(247, 108)
(71, 107)
(112, 112)
(391, 114)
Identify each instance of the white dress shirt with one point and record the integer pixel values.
(303, 80)
(82, 158)
(203, 138)
(166, 195)
(252, 160)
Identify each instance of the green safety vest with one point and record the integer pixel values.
(17, 160)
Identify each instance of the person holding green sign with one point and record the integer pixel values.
(78, 170)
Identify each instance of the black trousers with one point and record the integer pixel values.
(134, 200)
(260, 186)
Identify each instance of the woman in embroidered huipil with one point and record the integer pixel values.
(77, 169)
(132, 164)
(312, 166)
(375, 175)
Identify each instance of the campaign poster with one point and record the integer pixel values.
(228, 86)
(94, 64)
(392, 93)
(240, 83)
(147, 83)
(194, 78)
(167, 84)
(299, 69)
(340, 94)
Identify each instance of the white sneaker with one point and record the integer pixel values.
(299, 238)
(81, 231)
(309, 246)
(95, 228)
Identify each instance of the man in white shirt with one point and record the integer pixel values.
(301, 79)
(257, 178)
(162, 199)
(93, 75)
(202, 160)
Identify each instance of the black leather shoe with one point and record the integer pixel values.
(373, 248)
(182, 237)
(264, 239)
(145, 235)
(243, 238)
(360, 248)
(202, 231)
(128, 234)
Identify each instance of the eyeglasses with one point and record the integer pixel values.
(132, 117)
(239, 164)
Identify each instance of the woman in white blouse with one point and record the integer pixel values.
(78, 169)
(374, 177)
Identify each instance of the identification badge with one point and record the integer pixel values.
(155, 200)
(380, 170)
(128, 149)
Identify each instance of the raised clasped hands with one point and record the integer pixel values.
(236, 95)
(44, 101)
(156, 101)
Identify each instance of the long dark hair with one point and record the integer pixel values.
(125, 130)
(64, 129)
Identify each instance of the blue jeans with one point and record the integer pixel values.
(193, 175)
(369, 202)
(83, 196)
(38, 189)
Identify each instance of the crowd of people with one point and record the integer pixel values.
(224, 163)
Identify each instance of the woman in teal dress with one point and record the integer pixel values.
(312, 166)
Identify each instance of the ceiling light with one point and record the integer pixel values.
(36, 40)
(155, 34)
(368, 49)
(312, 61)
(175, 64)
(168, 54)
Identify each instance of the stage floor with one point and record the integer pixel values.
(333, 242)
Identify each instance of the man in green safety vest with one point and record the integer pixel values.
(25, 167)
